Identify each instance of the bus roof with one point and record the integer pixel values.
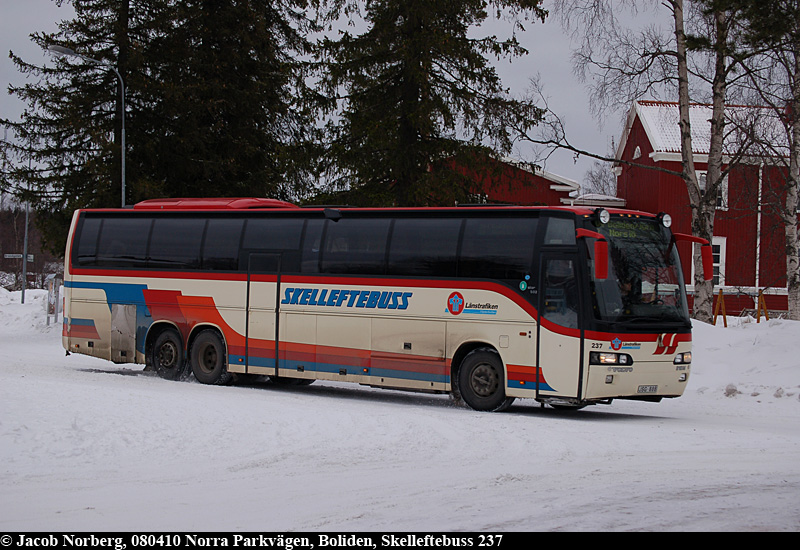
(256, 203)
(212, 204)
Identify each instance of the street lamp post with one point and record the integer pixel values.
(63, 51)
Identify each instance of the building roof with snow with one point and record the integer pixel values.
(661, 122)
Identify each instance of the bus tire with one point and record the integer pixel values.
(167, 355)
(208, 359)
(481, 381)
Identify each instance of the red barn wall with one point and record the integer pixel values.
(505, 183)
(658, 191)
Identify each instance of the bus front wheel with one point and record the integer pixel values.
(481, 381)
(208, 359)
(167, 355)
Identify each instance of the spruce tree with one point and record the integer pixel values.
(67, 148)
(211, 88)
(224, 100)
(416, 95)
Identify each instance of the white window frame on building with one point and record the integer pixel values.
(722, 192)
(719, 247)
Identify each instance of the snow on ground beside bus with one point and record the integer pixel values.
(86, 445)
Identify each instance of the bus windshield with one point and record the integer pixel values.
(645, 283)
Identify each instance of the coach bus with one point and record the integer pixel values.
(567, 306)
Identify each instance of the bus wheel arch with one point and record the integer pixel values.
(165, 351)
(208, 356)
(478, 378)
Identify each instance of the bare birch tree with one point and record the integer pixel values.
(622, 65)
(773, 78)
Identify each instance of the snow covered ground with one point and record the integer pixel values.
(86, 445)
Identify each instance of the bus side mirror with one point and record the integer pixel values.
(600, 252)
(600, 260)
(705, 253)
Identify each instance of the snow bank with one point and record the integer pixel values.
(747, 359)
(87, 445)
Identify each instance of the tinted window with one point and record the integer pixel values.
(123, 242)
(273, 234)
(560, 231)
(560, 293)
(497, 248)
(175, 243)
(356, 246)
(311, 246)
(425, 247)
(221, 246)
(279, 235)
(85, 248)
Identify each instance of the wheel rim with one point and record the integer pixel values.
(484, 380)
(208, 358)
(168, 355)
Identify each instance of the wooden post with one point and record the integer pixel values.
(762, 304)
(721, 302)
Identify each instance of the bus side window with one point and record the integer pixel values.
(85, 249)
(424, 247)
(312, 238)
(560, 293)
(497, 248)
(221, 246)
(356, 246)
(278, 235)
(560, 231)
(123, 242)
(176, 243)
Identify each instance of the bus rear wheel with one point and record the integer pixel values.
(167, 355)
(208, 359)
(481, 381)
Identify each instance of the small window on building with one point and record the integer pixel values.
(722, 191)
(718, 252)
(718, 246)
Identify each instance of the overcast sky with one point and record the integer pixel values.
(549, 57)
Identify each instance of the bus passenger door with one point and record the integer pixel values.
(559, 351)
(263, 310)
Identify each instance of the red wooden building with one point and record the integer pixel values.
(521, 183)
(749, 238)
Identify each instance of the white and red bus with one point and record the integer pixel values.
(567, 306)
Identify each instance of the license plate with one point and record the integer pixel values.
(647, 389)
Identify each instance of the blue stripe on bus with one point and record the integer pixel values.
(332, 368)
(529, 385)
(82, 322)
(116, 293)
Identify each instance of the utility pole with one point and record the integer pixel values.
(25, 241)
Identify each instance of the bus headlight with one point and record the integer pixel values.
(602, 358)
(683, 358)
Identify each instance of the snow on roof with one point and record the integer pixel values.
(661, 122)
(595, 199)
(560, 182)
